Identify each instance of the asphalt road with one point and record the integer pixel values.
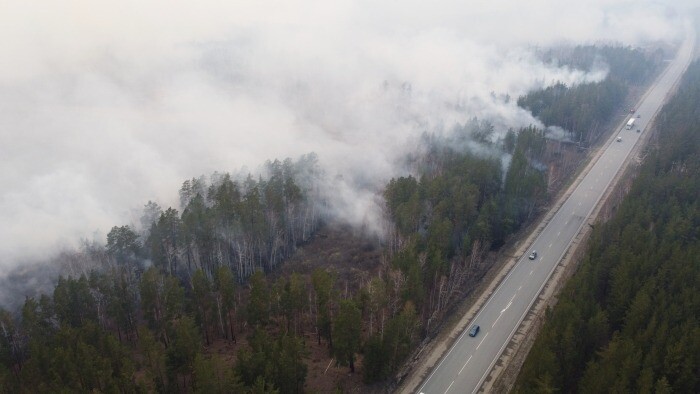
(465, 366)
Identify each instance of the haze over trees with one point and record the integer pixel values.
(247, 224)
(628, 319)
(583, 109)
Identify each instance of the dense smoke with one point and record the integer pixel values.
(106, 106)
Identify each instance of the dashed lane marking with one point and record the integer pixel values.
(482, 340)
(465, 364)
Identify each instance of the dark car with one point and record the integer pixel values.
(639, 131)
(474, 330)
(532, 255)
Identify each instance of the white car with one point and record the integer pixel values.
(532, 255)
(619, 139)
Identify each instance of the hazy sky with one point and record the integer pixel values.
(107, 104)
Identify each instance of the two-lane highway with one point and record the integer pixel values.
(465, 366)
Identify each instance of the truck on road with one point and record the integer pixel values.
(630, 124)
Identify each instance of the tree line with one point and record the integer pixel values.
(628, 319)
(244, 223)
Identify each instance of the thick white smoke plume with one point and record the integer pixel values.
(106, 105)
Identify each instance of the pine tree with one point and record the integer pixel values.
(258, 310)
(346, 333)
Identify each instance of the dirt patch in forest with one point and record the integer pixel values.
(340, 249)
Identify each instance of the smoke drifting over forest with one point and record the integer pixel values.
(106, 106)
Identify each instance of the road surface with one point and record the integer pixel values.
(465, 366)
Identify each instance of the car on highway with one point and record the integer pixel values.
(532, 255)
(631, 110)
(619, 139)
(639, 131)
(474, 330)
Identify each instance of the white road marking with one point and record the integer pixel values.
(465, 364)
(448, 388)
(550, 245)
(482, 341)
(530, 272)
(559, 233)
(503, 310)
